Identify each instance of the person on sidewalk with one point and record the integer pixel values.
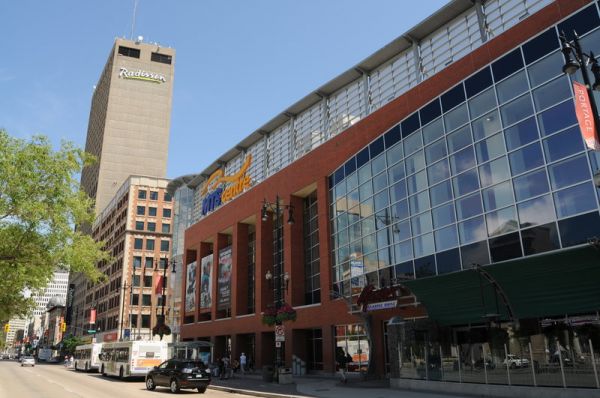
(342, 361)
(243, 363)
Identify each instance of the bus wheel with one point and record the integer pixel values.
(121, 373)
(87, 367)
(76, 367)
(102, 370)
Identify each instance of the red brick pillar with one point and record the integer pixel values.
(239, 274)
(264, 262)
(293, 255)
(324, 241)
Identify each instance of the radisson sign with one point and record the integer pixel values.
(141, 75)
(220, 189)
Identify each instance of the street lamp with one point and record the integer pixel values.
(278, 277)
(161, 329)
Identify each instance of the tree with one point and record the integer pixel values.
(41, 203)
(69, 343)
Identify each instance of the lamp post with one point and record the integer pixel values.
(581, 60)
(125, 287)
(161, 329)
(278, 277)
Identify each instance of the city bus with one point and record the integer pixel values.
(86, 357)
(131, 358)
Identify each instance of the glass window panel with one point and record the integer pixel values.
(476, 253)
(569, 172)
(521, 134)
(364, 173)
(378, 164)
(459, 139)
(468, 206)
(512, 87)
(557, 118)
(507, 65)
(413, 142)
(482, 103)
(404, 271)
(417, 182)
(536, 211)
(472, 230)
(453, 97)
(396, 172)
(516, 110)
(415, 162)
(552, 93)
(466, 183)
(441, 193)
(381, 200)
(433, 131)
(456, 117)
(380, 182)
(424, 245)
(403, 251)
(540, 46)
(540, 239)
(446, 238)
(400, 210)
(494, 172)
(591, 42)
(438, 172)
(526, 158)
(443, 215)
(498, 196)
(365, 191)
(401, 231)
(419, 202)
(563, 144)
(505, 247)
(435, 151)
(530, 185)
(353, 198)
(340, 190)
(369, 243)
(421, 223)
(462, 160)
(398, 191)
(366, 207)
(448, 261)
(501, 221)
(545, 69)
(577, 199)
(478, 82)
(577, 230)
(395, 153)
(490, 148)
(486, 125)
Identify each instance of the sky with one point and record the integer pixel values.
(238, 64)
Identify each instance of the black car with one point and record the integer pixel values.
(179, 373)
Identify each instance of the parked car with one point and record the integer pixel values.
(27, 361)
(514, 361)
(179, 373)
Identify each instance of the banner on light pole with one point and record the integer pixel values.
(585, 116)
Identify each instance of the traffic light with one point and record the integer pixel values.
(6, 328)
(63, 327)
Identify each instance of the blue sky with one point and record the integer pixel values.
(239, 63)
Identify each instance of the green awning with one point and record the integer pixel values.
(553, 284)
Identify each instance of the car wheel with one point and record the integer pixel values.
(21, 365)
(202, 389)
(150, 384)
(174, 386)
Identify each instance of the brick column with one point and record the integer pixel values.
(264, 262)
(324, 241)
(293, 254)
(239, 273)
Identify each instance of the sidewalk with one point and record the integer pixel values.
(314, 386)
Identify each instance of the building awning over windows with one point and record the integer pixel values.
(554, 284)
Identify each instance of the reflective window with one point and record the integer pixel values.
(459, 139)
(404, 270)
(577, 199)
(453, 97)
(380, 182)
(569, 172)
(490, 148)
(478, 82)
(436, 151)
(443, 215)
(446, 238)
(415, 162)
(456, 117)
(552, 93)
(421, 223)
(476, 253)
(396, 172)
(530, 185)
(526, 158)
(545, 69)
(395, 153)
(536, 211)
(378, 164)
(398, 191)
(577, 230)
(424, 266)
(472, 230)
(381, 201)
(521, 134)
(365, 191)
(401, 231)
(540, 239)
(448, 261)
(364, 173)
(507, 65)
(512, 87)
(413, 142)
(563, 144)
(438, 171)
(433, 131)
(430, 111)
(419, 202)
(501, 221)
(505, 247)
(462, 160)
(540, 46)
(469, 206)
(417, 182)
(440, 193)
(403, 251)
(486, 125)
(516, 110)
(498, 196)
(466, 183)
(494, 172)
(482, 103)
(557, 118)
(400, 210)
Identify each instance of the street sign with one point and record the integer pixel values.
(278, 344)
(90, 331)
(279, 333)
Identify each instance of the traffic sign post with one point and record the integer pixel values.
(279, 333)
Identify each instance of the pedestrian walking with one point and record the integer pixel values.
(342, 362)
(243, 363)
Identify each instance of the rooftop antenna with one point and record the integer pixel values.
(135, 3)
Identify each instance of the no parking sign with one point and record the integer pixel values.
(279, 333)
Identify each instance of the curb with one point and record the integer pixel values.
(254, 393)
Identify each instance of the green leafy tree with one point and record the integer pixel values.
(40, 204)
(69, 344)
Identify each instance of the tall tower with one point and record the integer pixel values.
(128, 129)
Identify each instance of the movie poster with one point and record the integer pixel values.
(206, 281)
(190, 289)
(224, 297)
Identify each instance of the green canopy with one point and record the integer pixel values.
(553, 284)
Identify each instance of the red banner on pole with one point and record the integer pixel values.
(93, 315)
(585, 117)
(159, 283)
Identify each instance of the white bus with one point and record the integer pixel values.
(86, 357)
(131, 358)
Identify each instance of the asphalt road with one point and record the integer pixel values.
(56, 381)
